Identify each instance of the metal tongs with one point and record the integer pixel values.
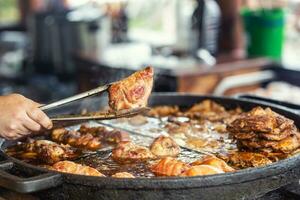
(97, 116)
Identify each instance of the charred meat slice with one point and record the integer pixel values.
(127, 152)
(215, 162)
(164, 146)
(74, 168)
(169, 167)
(131, 92)
(122, 175)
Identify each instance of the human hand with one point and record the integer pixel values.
(20, 116)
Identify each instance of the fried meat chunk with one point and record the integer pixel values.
(74, 168)
(44, 151)
(164, 146)
(169, 167)
(163, 111)
(207, 109)
(243, 160)
(215, 162)
(260, 120)
(127, 152)
(90, 138)
(286, 145)
(201, 170)
(122, 175)
(131, 92)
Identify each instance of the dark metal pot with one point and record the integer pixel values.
(243, 184)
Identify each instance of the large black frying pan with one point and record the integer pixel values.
(244, 184)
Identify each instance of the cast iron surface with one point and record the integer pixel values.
(243, 184)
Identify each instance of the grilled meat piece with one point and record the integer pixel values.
(95, 131)
(201, 170)
(169, 167)
(163, 111)
(90, 138)
(164, 146)
(286, 145)
(131, 92)
(43, 151)
(74, 168)
(209, 110)
(180, 129)
(127, 152)
(122, 175)
(243, 160)
(260, 120)
(215, 162)
(76, 139)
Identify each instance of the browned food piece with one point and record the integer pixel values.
(76, 139)
(90, 138)
(95, 131)
(163, 111)
(283, 134)
(169, 167)
(260, 120)
(74, 168)
(178, 129)
(207, 109)
(131, 92)
(127, 152)
(108, 136)
(286, 145)
(267, 136)
(244, 136)
(43, 151)
(215, 162)
(164, 146)
(201, 170)
(115, 137)
(243, 160)
(138, 120)
(123, 175)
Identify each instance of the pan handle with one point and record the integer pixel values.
(293, 107)
(39, 181)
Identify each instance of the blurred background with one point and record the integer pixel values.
(51, 49)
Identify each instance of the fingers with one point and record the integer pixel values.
(30, 124)
(40, 117)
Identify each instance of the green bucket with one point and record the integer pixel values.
(265, 32)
